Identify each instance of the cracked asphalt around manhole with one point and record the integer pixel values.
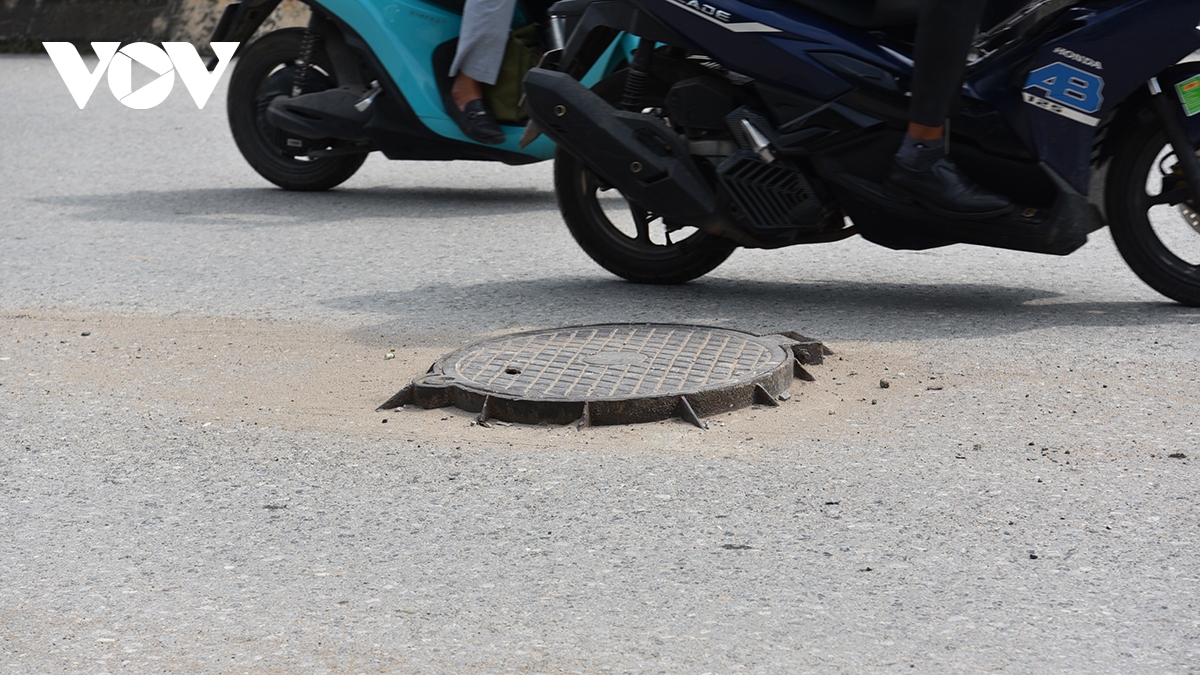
(201, 482)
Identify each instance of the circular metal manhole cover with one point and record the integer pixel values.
(608, 374)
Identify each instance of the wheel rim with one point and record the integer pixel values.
(273, 141)
(635, 230)
(1170, 231)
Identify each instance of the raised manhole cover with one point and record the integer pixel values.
(613, 374)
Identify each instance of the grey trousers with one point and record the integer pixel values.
(485, 28)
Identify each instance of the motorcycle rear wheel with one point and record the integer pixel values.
(263, 73)
(619, 235)
(1155, 238)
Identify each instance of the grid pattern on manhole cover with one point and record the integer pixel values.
(612, 361)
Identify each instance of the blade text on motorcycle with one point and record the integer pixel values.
(723, 18)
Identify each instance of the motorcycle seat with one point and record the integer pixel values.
(866, 13)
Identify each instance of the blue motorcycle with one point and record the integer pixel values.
(306, 105)
(768, 123)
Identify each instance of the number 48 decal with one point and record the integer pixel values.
(1067, 91)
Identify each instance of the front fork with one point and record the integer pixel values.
(1169, 115)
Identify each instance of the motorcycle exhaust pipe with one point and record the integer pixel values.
(634, 152)
(333, 113)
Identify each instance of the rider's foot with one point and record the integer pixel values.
(922, 173)
(477, 123)
(945, 190)
(464, 102)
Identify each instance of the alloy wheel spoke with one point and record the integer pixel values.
(641, 220)
(1172, 197)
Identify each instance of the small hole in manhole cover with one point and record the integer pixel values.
(512, 371)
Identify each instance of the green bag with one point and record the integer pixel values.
(520, 54)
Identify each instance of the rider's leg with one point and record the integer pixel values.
(481, 43)
(921, 170)
(944, 34)
(465, 89)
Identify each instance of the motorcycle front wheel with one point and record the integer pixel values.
(621, 236)
(268, 69)
(1160, 241)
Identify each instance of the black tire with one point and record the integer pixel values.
(637, 258)
(1166, 258)
(266, 70)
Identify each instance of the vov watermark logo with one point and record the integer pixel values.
(166, 62)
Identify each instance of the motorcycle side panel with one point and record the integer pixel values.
(772, 41)
(781, 43)
(1078, 80)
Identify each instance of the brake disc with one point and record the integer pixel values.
(1186, 209)
(1190, 215)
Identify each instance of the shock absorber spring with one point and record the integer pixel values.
(635, 82)
(308, 48)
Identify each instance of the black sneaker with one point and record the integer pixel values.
(945, 190)
(475, 121)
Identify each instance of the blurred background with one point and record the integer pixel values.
(25, 24)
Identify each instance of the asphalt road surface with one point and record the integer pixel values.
(193, 477)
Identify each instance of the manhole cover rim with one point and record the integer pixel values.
(673, 394)
(781, 357)
(769, 364)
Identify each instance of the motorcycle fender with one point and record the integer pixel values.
(239, 21)
(591, 27)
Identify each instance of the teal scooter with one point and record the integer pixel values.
(307, 105)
